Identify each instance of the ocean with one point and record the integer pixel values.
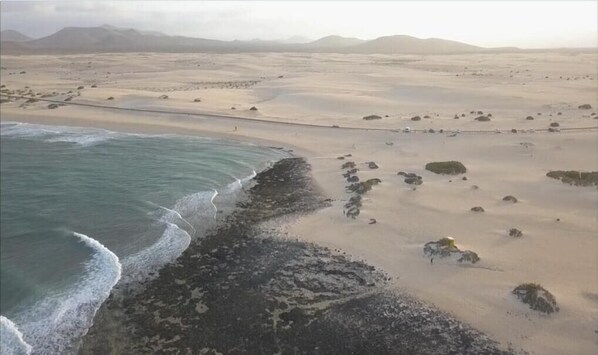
(82, 209)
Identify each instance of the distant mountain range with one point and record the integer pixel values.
(13, 36)
(115, 39)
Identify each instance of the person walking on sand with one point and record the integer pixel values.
(235, 129)
(431, 260)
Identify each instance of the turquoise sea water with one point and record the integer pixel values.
(82, 209)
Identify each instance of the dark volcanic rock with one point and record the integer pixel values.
(416, 118)
(477, 209)
(585, 107)
(253, 108)
(554, 124)
(530, 118)
(372, 117)
(510, 198)
(482, 118)
(242, 290)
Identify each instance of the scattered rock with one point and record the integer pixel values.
(80, 87)
(510, 198)
(559, 113)
(456, 117)
(513, 130)
(53, 106)
(253, 108)
(537, 297)
(416, 118)
(482, 118)
(363, 186)
(353, 178)
(233, 108)
(553, 129)
(372, 221)
(348, 165)
(480, 113)
(372, 165)
(577, 178)
(340, 158)
(197, 100)
(94, 86)
(468, 256)
(530, 118)
(514, 232)
(585, 107)
(426, 116)
(110, 98)
(413, 179)
(371, 117)
(350, 172)
(554, 124)
(446, 167)
(477, 209)
(464, 178)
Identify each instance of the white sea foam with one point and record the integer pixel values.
(11, 339)
(213, 204)
(78, 135)
(55, 324)
(171, 215)
(82, 138)
(166, 249)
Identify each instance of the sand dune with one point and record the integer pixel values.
(558, 221)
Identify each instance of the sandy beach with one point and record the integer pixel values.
(314, 104)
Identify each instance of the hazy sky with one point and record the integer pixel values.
(530, 24)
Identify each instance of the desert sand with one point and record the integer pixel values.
(314, 92)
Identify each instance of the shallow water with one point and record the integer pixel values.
(83, 209)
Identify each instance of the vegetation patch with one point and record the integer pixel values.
(514, 232)
(445, 247)
(577, 178)
(537, 297)
(446, 167)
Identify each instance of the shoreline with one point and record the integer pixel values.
(316, 227)
(287, 295)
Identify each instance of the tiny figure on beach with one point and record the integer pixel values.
(431, 260)
(235, 129)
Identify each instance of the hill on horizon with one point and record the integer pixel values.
(108, 38)
(13, 36)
